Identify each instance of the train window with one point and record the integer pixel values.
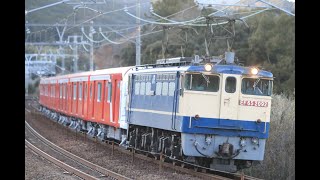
(256, 86)
(64, 89)
(142, 88)
(99, 92)
(231, 84)
(148, 88)
(201, 82)
(60, 95)
(171, 88)
(172, 77)
(80, 91)
(136, 88)
(91, 91)
(158, 88)
(85, 91)
(165, 87)
(74, 91)
(109, 91)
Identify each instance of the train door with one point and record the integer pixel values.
(60, 97)
(80, 99)
(65, 97)
(98, 100)
(91, 96)
(107, 101)
(85, 100)
(103, 101)
(69, 97)
(74, 98)
(116, 99)
(230, 85)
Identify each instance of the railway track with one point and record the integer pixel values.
(72, 163)
(194, 170)
(61, 164)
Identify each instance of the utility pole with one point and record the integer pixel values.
(62, 62)
(138, 38)
(60, 47)
(75, 54)
(91, 46)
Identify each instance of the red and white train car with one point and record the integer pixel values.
(88, 101)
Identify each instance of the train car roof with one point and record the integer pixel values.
(74, 76)
(121, 70)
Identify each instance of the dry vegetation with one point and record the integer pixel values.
(279, 159)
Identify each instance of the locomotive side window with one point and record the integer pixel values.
(136, 88)
(148, 88)
(142, 87)
(158, 88)
(256, 86)
(165, 86)
(201, 82)
(172, 86)
(231, 84)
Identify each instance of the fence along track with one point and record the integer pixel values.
(59, 163)
(95, 167)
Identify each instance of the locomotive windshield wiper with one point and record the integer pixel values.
(206, 78)
(256, 82)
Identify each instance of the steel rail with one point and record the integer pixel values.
(59, 163)
(95, 167)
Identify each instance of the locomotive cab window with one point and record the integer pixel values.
(231, 84)
(201, 82)
(256, 86)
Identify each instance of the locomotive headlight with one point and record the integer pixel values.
(243, 142)
(254, 141)
(254, 71)
(208, 67)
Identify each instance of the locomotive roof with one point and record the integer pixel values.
(231, 69)
(228, 69)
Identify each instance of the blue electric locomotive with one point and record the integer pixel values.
(213, 114)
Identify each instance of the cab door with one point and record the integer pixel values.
(230, 86)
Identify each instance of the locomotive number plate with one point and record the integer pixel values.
(253, 103)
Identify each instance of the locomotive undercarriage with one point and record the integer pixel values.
(158, 141)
